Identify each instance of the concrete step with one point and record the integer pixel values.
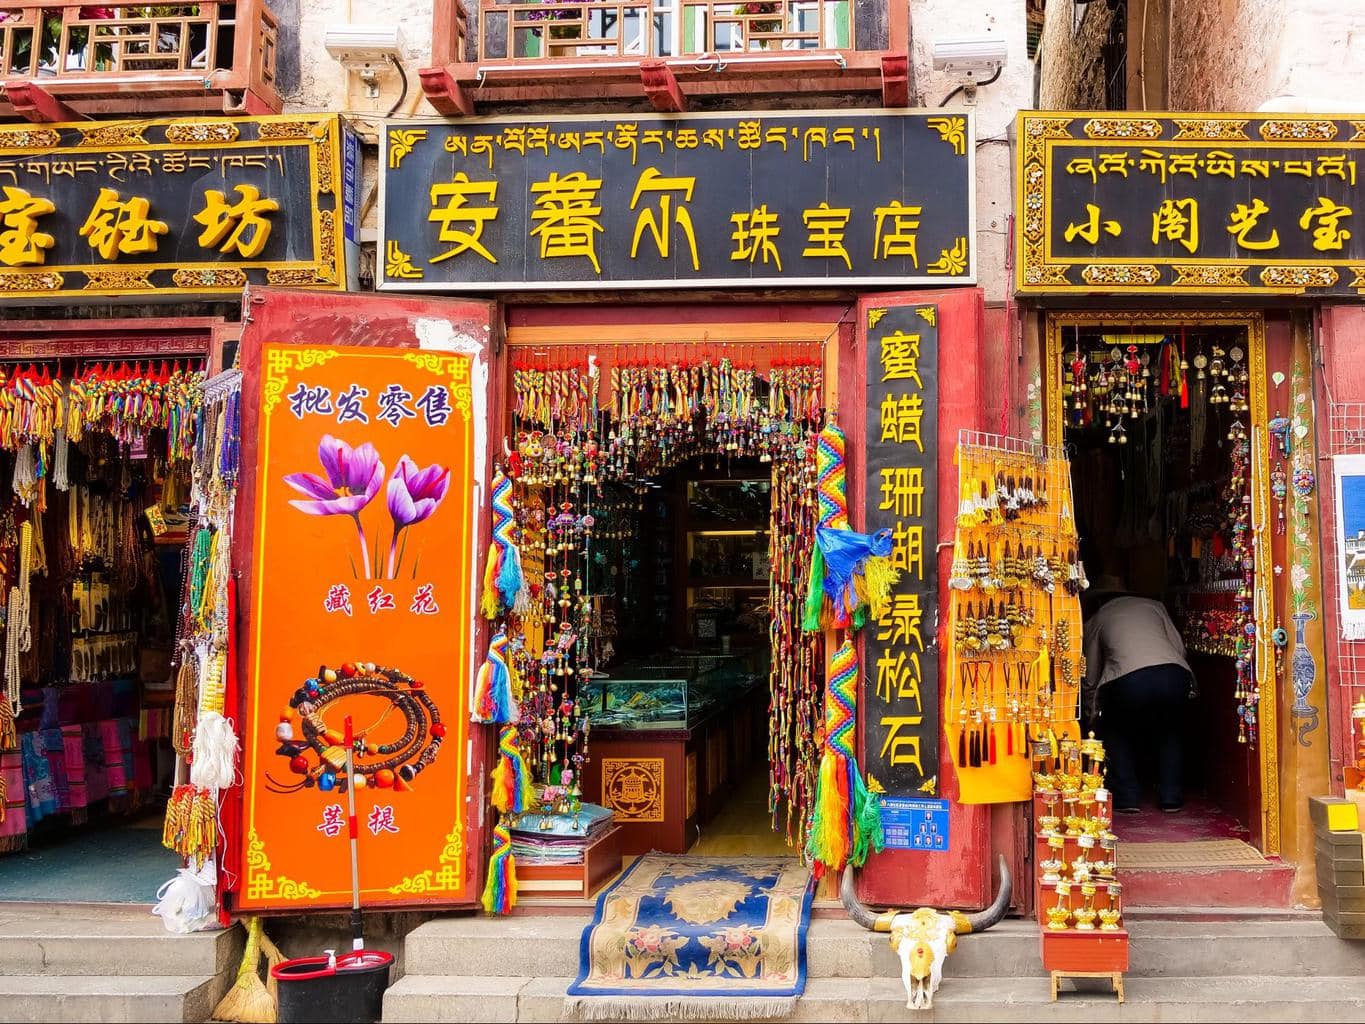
(1247, 999)
(36, 941)
(127, 997)
(837, 948)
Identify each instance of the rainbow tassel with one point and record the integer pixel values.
(513, 792)
(850, 573)
(500, 891)
(503, 582)
(493, 701)
(846, 823)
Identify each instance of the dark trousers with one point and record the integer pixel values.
(1145, 709)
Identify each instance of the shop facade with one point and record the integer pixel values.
(127, 246)
(1181, 277)
(646, 343)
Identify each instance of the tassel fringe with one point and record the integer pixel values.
(513, 792)
(493, 690)
(500, 891)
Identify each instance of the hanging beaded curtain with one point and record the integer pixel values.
(578, 427)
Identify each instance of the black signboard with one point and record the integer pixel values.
(1231, 204)
(178, 207)
(847, 197)
(900, 666)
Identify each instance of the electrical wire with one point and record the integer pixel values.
(403, 76)
(984, 81)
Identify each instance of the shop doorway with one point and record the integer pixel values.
(1164, 418)
(95, 472)
(663, 490)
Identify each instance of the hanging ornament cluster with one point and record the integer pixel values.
(1015, 661)
(590, 427)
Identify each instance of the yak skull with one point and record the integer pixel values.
(923, 938)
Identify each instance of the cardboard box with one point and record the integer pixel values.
(1345, 929)
(1344, 849)
(1331, 874)
(1334, 814)
(1339, 899)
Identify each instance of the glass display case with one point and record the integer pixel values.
(675, 696)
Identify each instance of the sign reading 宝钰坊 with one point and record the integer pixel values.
(831, 198)
(187, 206)
(1195, 203)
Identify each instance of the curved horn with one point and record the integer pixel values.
(873, 922)
(982, 920)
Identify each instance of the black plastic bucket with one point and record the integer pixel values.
(352, 992)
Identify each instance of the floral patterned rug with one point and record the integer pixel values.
(696, 938)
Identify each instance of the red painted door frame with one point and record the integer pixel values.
(960, 877)
(302, 318)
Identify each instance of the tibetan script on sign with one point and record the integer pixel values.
(1191, 203)
(819, 198)
(900, 669)
(169, 207)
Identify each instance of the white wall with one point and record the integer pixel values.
(323, 85)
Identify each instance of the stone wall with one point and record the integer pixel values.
(1234, 55)
(1071, 64)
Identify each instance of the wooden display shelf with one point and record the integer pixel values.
(601, 863)
(1078, 954)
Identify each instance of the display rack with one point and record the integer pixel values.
(1077, 893)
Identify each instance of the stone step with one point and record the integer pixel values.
(837, 948)
(121, 997)
(1247, 999)
(36, 942)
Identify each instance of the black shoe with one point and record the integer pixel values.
(1172, 808)
(1130, 810)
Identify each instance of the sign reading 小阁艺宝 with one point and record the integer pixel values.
(1194, 203)
(900, 703)
(172, 207)
(835, 197)
(361, 608)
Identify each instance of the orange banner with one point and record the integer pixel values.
(361, 609)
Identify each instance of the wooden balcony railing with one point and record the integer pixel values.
(519, 32)
(206, 57)
(520, 52)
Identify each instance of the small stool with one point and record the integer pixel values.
(1115, 979)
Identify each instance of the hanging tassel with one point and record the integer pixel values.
(991, 756)
(9, 734)
(503, 582)
(215, 752)
(851, 573)
(493, 701)
(846, 820)
(513, 792)
(500, 891)
(868, 835)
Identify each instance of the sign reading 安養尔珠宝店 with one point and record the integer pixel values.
(1192, 203)
(169, 207)
(837, 197)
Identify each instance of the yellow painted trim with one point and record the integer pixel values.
(1261, 523)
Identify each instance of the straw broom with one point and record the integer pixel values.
(248, 1002)
(273, 956)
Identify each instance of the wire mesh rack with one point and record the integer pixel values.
(1345, 436)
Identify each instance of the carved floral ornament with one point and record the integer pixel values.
(1278, 208)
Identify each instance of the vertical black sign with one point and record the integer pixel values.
(900, 694)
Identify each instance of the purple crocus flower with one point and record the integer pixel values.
(353, 478)
(413, 495)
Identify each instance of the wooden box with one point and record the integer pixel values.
(601, 863)
(1094, 952)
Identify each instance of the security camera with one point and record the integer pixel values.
(362, 47)
(973, 59)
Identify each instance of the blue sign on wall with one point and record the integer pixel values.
(915, 824)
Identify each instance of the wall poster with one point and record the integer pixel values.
(361, 607)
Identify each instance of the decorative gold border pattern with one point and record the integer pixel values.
(1037, 274)
(1054, 417)
(320, 133)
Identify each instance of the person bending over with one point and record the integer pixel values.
(1138, 685)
